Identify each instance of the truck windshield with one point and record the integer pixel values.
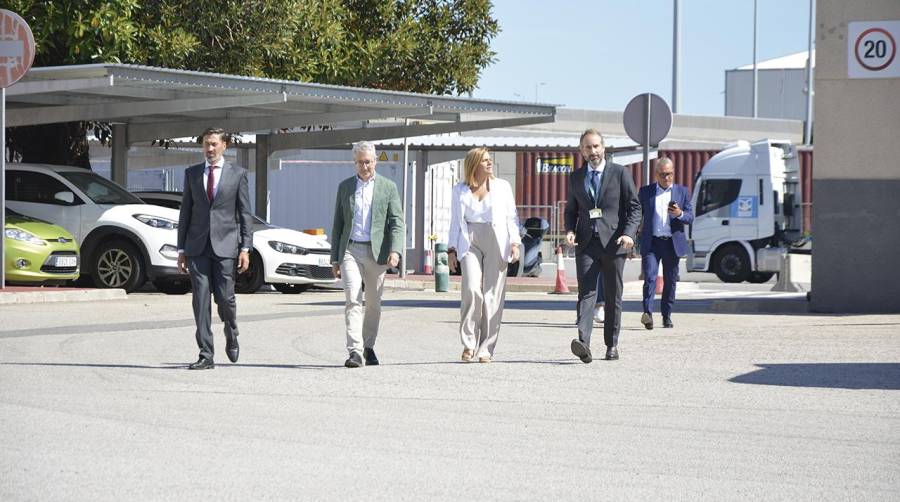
(99, 189)
(717, 193)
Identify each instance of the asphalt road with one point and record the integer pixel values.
(96, 404)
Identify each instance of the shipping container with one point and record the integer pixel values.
(541, 177)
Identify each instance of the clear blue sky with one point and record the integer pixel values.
(599, 54)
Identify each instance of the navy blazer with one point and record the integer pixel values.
(680, 194)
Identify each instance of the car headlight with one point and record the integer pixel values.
(156, 221)
(283, 247)
(21, 235)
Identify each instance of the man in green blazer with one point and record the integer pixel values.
(367, 238)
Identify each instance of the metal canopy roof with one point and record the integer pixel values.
(156, 103)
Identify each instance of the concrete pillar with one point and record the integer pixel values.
(262, 176)
(119, 159)
(855, 226)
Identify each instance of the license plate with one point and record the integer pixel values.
(65, 261)
(325, 261)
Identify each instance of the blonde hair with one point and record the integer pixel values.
(473, 158)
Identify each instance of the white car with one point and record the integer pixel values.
(124, 242)
(289, 260)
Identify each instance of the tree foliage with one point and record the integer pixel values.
(428, 46)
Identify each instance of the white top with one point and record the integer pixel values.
(362, 211)
(478, 211)
(661, 226)
(217, 176)
(502, 213)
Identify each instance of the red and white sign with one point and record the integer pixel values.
(16, 48)
(872, 49)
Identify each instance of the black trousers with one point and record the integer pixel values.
(589, 263)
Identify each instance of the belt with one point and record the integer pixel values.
(360, 242)
(662, 237)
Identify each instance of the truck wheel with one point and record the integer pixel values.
(117, 264)
(291, 289)
(252, 279)
(732, 263)
(760, 277)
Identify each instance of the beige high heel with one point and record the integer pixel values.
(467, 355)
(484, 359)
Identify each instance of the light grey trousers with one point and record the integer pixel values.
(483, 291)
(359, 267)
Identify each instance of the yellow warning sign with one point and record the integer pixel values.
(383, 157)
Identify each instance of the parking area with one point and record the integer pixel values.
(96, 404)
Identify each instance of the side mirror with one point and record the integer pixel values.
(66, 196)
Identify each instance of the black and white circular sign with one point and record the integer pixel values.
(875, 49)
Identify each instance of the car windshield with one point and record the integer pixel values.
(99, 189)
(10, 212)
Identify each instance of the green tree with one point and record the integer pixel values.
(428, 46)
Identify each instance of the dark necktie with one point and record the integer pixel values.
(210, 179)
(595, 184)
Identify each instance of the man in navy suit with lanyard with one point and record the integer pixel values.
(602, 217)
(667, 209)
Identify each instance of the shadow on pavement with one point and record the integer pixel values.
(883, 376)
(182, 366)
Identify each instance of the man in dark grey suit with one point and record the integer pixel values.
(602, 217)
(213, 230)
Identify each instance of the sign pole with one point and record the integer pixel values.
(647, 141)
(3, 186)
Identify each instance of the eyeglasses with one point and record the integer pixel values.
(666, 175)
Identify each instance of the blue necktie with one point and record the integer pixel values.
(595, 185)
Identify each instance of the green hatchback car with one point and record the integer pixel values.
(37, 252)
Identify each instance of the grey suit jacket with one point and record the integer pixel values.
(225, 222)
(618, 200)
(387, 230)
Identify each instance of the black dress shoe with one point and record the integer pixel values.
(202, 364)
(371, 359)
(647, 320)
(667, 322)
(354, 361)
(232, 348)
(612, 353)
(581, 350)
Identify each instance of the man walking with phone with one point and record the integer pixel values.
(666, 208)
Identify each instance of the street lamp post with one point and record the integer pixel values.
(536, 86)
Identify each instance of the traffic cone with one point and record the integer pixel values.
(561, 287)
(429, 260)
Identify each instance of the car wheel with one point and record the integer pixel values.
(253, 278)
(172, 287)
(118, 264)
(732, 263)
(291, 289)
(760, 277)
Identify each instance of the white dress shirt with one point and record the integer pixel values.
(478, 211)
(661, 226)
(599, 170)
(362, 212)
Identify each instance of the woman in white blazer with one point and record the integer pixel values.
(484, 239)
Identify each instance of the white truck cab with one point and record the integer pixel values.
(747, 207)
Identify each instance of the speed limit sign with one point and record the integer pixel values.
(872, 49)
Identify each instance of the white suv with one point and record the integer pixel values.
(124, 241)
